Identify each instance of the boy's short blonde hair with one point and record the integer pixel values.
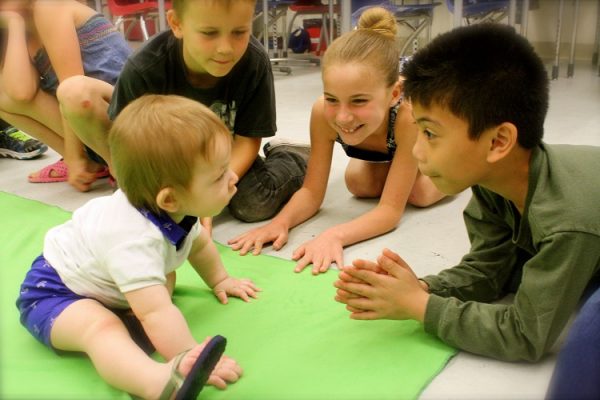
(155, 143)
(180, 5)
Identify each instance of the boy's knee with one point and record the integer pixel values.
(74, 95)
(251, 212)
(254, 206)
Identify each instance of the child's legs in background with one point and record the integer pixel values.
(40, 117)
(365, 179)
(267, 186)
(84, 104)
(577, 372)
(36, 130)
(424, 192)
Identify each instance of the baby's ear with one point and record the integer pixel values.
(167, 200)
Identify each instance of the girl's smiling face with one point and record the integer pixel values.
(357, 101)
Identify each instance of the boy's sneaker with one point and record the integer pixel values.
(17, 144)
(280, 144)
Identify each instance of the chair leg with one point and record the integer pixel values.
(143, 27)
(119, 24)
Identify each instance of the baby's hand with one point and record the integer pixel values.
(242, 288)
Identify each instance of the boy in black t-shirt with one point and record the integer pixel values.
(210, 56)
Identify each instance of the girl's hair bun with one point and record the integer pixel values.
(380, 20)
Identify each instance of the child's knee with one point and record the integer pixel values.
(363, 188)
(74, 95)
(420, 197)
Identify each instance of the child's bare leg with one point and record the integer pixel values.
(88, 326)
(366, 179)
(84, 104)
(171, 280)
(424, 193)
(35, 129)
(39, 117)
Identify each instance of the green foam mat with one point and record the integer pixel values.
(294, 342)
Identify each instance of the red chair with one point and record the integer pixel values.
(314, 7)
(134, 11)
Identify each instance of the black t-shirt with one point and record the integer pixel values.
(244, 99)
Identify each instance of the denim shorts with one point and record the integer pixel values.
(43, 297)
(103, 48)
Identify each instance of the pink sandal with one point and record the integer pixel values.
(61, 173)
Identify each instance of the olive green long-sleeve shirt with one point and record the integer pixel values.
(547, 256)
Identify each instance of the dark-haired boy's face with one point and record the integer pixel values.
(215, 37)
(445, 152)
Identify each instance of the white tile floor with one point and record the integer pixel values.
(429, 239)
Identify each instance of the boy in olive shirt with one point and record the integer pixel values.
(480, 97)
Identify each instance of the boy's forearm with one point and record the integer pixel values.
(243, 154)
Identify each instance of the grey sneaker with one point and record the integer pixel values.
(17, 144)
(280, 144)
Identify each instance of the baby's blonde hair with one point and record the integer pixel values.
(155, 143)
(373, 43)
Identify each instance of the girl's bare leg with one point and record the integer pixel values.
(35, 129)
(39, 117)
(424, 192)
(366, 179)
(84, 104)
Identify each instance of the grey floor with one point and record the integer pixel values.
(429, 239)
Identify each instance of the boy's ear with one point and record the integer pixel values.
(396, 92)
(174, 23)
(503, 140)
(166, 200)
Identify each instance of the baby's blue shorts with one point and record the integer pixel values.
(43, 297)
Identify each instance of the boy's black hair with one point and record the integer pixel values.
(486, 74)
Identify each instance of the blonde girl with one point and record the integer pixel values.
(362, 109)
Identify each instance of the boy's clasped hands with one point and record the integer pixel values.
(385, 289)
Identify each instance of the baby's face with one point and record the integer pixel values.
(212, 185)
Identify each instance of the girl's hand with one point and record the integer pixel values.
(81, 174)
(321, 252)
(242, 288)
(258, 237)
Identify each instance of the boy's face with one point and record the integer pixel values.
(446, 154)
(357, 101)
(212, 185)
(214, 37)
